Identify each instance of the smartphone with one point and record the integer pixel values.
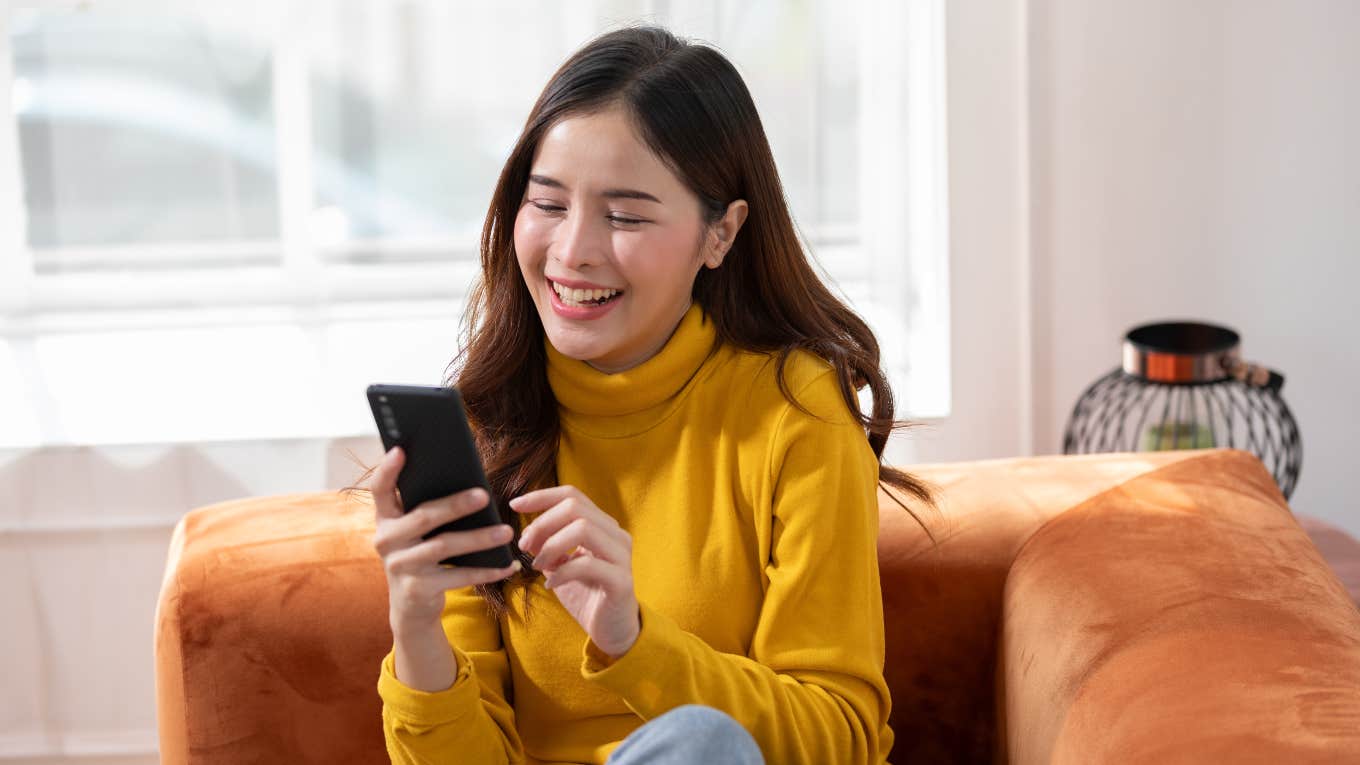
(430, 424)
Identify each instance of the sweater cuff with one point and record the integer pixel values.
(425, 708)
(639, 676)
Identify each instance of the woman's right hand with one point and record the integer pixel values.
(415, 580)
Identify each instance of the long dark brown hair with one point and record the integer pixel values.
(690, 106)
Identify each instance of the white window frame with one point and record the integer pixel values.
(896, 268)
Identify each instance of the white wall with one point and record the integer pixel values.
(988, 186)
(1201, 160)
(1114, 163)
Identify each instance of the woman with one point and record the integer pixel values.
(664, 396)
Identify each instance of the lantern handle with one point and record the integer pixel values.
(1254, 375)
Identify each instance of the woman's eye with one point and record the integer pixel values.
(614, 218)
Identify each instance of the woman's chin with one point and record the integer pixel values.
(580, 343)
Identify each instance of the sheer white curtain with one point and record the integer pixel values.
(222, 221)
(267, 205)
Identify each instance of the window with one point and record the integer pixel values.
(232, 217)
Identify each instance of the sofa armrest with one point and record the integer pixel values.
(1183, 616)
(942, 598)
(270, 627)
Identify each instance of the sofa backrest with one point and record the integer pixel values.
(272, 617)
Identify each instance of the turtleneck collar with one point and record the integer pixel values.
(631, 401)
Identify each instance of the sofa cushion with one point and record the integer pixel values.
(942, 598)
(1182, 615)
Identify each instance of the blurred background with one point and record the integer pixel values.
(251, 211)
(220, 222)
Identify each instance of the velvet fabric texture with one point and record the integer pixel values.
(1103, 608)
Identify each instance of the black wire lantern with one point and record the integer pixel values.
(1183, 385)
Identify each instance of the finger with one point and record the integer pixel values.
(590, 571)
(455, 578)
(585, 535)
(558, 517)
(424, 586)
(574, 505)
(447, 545)
(396, 533)
(542, 499)
(385, 483)
(433, 513)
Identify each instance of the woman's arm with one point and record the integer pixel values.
(470, 718)
(423, 659)
(811, 688)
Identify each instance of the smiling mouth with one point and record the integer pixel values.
(581, 298)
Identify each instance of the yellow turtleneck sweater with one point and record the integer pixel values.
(754, 532)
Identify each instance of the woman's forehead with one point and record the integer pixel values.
(601, 152)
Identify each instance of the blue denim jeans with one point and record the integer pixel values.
(689, 735)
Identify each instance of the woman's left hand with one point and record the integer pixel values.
(588, 559)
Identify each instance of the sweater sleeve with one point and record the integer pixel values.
(472, 720)
(811, 688)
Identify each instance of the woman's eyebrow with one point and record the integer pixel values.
(544, 180)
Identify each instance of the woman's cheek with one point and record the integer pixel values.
(524, 240)
(530, 239)
(652, 257)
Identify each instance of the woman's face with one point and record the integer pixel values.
(601, 212)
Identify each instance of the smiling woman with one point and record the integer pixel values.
(665, 397)
(587, 227)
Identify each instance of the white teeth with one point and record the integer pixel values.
(570, 295)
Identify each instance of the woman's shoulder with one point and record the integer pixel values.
(809, 378)
(760, 368)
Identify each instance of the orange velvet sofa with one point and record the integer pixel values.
(1126, 608)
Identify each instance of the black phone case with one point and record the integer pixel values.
(441, 458)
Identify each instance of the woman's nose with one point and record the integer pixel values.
(579, 243)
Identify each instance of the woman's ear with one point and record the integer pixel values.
(722, 233)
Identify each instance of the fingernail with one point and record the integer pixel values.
(516, 566)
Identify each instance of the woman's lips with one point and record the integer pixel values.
(580, 311)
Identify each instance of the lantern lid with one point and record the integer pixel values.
(1181, 352)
